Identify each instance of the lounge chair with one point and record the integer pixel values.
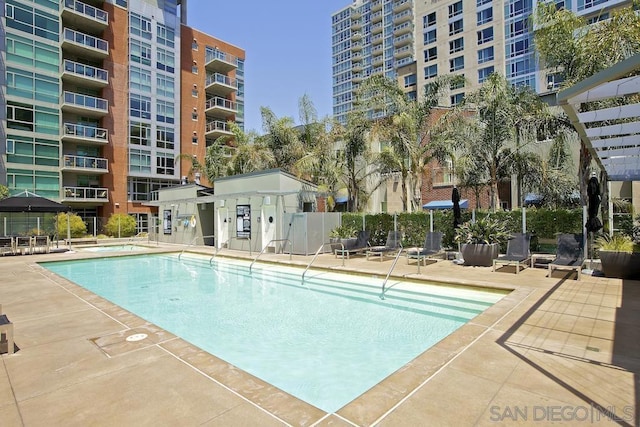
(360, 246)
(569, 255)
(517, 251)
(432, 248)
(41, 244)
(7, 245)
(394, 243)
(24, 245)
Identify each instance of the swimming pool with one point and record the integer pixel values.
(325, 341)
(112, 248)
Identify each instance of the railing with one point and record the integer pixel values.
(86, 101)
(318, 252)
(87, 10)
(86, 70)
(83, 131)
(86, 40)
(86, 193)
(193, 241)
(395, 261)
(83, 162)
(266, 246)
(220, 102)
(222, 79)
(221, 56)
(216, 125)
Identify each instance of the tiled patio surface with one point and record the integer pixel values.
(554, 350)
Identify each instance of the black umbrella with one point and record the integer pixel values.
(593, 193)
(457, 216)
(30, 202)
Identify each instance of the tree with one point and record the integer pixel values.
(72, 222)
(404, 123)
(283, 139)
(120, 225)
(4, 191)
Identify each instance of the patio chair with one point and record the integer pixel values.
(7, 245)
(394, 243)
(360, 246)
(517, 251)
(432, 248)
(569, 255)
(41, 244)
(24, 245)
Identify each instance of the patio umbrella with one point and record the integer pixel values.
(455, 198)
(593, 193)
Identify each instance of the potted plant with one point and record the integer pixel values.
(480, 240)
(344, 234)
(619, 256)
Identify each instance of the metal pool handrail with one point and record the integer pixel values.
(267, 245)
(318, 252)
(193, 242)
(395, 261)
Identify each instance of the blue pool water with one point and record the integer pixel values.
(325, 341)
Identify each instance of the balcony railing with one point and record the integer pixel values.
(86, 101)
(85, 132)
(220, 103)
(86, 194)
(82, 162)
(218, 55)
(87, 10)
(221, 79)
(217, 126)
(86, 70)
(86, 40)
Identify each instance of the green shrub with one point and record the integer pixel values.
(76, 225)
(120, 225)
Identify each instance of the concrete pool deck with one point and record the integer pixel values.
(553, 350)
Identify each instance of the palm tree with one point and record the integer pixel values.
(404, 124)
(283, 139)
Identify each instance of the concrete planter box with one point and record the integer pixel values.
(479, 254)
(622, 265)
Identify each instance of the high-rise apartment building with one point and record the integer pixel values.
(369, 37)
(102, 96)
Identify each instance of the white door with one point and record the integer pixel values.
(223, 225)
(268, 221)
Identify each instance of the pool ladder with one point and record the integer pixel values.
(193, 242)
(267, 245)
(318, 252)
(395, 261)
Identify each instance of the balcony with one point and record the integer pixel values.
(219, 84)
(84, 105)
(376, 39)
(377, 61)
(85, 164)
(376, 5)
(84, 45)
(356, 77)
(402, 62)
(377, 48)
(356, 35)
(84, 134)
(405, 28)
(356, 47)
(220, 107)
(377, 28)
(402, 40)
(402, 17)
(217, 60)
(376, 17)
(84, 75)
(356, 24)
(356, 66)
(356, 13)
(85, 195)
(400, 5)
(403, 52)
(80, 15)
(217, 128)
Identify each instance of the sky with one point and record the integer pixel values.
(288, 50)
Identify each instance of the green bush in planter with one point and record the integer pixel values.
(485, 230)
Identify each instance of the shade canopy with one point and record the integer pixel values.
(444, 204)
(30, 202)
(612, 134)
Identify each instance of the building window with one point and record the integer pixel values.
(430, 54)
(518, 47)
(139, 160)
(485, 36)
(194, 44)
(485, 55)
(165, 111)
(410, 80)
(484, 73)
(165, 86)
(140, 52)
(429, 20)
(455, 9)
(457, 84)
(481, 2)
(140, 26)
(165, 137)
(194, 69)
(194, 92)
(140, 79)
(519, 7)
(485, 16)
(140, 134)
(455, 27)
(166, 36)
(517, 28)
(456, 45)
(166, 61)
(139, 106)
(194, 116)
(456, 64)
(457, 98)
(165, 164)
(431, 71)
(430, 36)
(194, 139)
